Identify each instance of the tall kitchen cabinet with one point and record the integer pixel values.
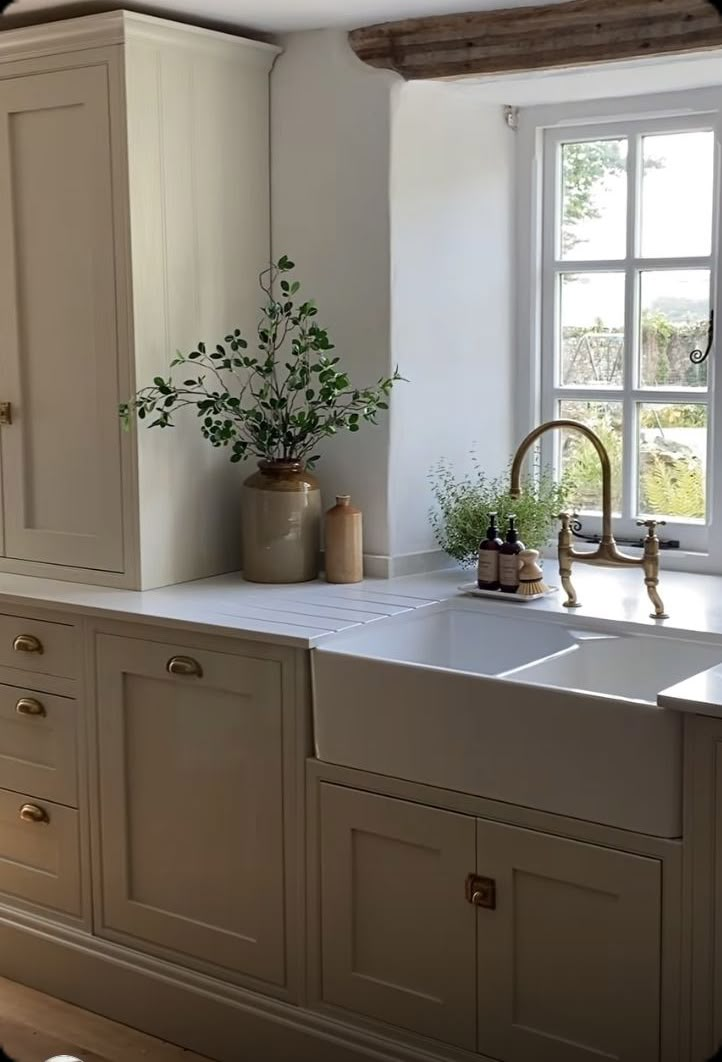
(134, 219)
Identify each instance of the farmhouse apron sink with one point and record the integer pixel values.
(517, 709)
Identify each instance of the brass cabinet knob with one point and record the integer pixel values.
(34, 813)
(28, 643)
(184, 666)
(29, 706)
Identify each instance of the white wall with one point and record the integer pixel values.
(395, 200)
(330, 158)
(451, 252)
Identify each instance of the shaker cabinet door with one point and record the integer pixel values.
(59, 441)
(191, 805)
(570, 957)
(397, 933)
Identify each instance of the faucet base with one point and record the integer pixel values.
(572, 604)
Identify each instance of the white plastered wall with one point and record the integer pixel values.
(451, 251)
(395, 201)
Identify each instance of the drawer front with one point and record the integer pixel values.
(38, 646)
(40, 852)
(38, 744)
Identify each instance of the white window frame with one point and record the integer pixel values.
(541, 131)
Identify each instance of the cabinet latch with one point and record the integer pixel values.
(6, 413)
(481, 892)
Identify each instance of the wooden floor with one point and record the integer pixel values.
(34, 1027)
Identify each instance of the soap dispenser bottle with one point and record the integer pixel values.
(509, 559)
(488, 574)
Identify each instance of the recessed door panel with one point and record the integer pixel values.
(60, 444)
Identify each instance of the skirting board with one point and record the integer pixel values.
(184, 1008)
(385, 567)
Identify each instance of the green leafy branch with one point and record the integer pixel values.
(276, 404)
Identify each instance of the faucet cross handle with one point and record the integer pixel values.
(651, 526)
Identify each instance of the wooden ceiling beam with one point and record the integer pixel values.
(573, 33)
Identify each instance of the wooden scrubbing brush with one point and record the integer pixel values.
(531, 577)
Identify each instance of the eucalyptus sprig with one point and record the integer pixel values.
(276, 404)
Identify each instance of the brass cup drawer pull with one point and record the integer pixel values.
(185, 666)
(34, 813)
(28, 643)
(29, 706)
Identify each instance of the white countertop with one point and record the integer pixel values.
(303, 615)
(297, 615)
(700, 695)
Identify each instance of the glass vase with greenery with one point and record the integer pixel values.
(460, 515)
(276, 404)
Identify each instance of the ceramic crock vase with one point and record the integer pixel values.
(281, 524)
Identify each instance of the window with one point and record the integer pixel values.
(628, 275)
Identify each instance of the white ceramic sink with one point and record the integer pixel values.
(634, 667)
(520, 709)
(459, 638)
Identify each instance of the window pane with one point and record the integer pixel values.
(673, 460)
(675, 321)
(677, 190)
(592, 329)
(594, 200)
(579, 459)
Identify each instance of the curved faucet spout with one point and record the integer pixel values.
(606, 552)
(572, 425)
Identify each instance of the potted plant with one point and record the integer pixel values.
(463, 503)
(276, 405)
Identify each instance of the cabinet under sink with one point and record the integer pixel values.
(560, 961)
(522, 710)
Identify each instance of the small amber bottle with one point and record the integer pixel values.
(509, 559)
(488, 574)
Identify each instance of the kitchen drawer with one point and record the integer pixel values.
(38, 744)
(39, 646)
(40, 852)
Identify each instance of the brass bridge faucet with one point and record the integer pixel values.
(607, 553)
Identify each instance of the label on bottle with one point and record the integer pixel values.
(509, 569)
(489, 566)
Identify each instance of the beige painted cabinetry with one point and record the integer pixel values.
(559, 961)
(191, 805)
(62, 501)
(398, 938)
(134, 219)
(703, 825)
(42, 863)
(172, 856)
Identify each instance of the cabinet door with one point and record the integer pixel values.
(191, 792)
(703, 854)
(397, 933)
(61, 478)
(570, 959)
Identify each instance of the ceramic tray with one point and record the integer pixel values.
(516, 599)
